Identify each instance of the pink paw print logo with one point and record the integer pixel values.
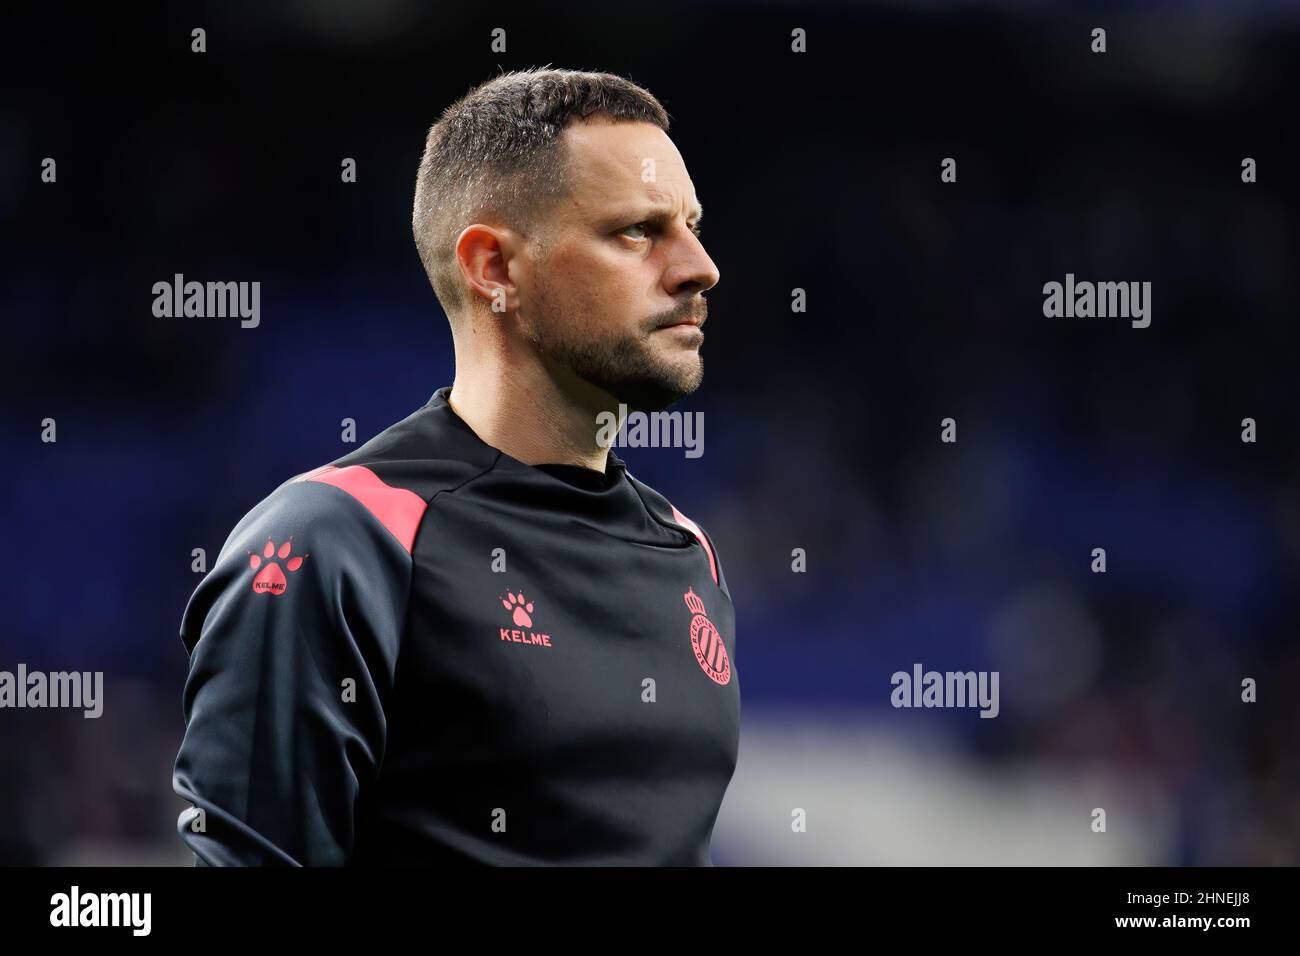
(270, 579)
(522, 608)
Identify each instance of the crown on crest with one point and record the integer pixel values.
(693, 601)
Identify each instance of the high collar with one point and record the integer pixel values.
(621, 507)
(440, 400)
(575, 476)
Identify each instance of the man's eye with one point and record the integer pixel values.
(639, 225)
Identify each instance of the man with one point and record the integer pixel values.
(478, 638)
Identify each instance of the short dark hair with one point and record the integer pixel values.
(497, 153)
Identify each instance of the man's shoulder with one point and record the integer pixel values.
(389, 480)
(337, 499)
(429, 451)
(659, 506)
(668, 513)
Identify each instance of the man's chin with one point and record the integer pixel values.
(656, 394)
(640, 378)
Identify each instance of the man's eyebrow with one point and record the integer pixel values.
(663, 212)
(656, 213)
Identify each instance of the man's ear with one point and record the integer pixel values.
(483, 254)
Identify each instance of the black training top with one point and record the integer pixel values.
(428, 652)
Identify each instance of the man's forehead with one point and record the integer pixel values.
(609, 162)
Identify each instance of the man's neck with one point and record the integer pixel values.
(531, 418)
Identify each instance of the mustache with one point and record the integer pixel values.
(697, 310)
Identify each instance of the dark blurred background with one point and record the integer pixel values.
(818, 171)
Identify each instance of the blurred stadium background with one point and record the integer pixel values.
(819, 171)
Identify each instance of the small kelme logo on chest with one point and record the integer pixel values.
(707, 641)
(521, 615)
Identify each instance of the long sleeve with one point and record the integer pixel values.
(293, 639)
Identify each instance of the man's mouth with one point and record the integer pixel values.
(689, 321)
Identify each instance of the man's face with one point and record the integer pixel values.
(615, 295)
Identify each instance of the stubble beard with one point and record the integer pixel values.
(623, 364)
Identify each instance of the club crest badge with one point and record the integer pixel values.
(710, 651)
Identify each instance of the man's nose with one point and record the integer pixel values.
(696, 271)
